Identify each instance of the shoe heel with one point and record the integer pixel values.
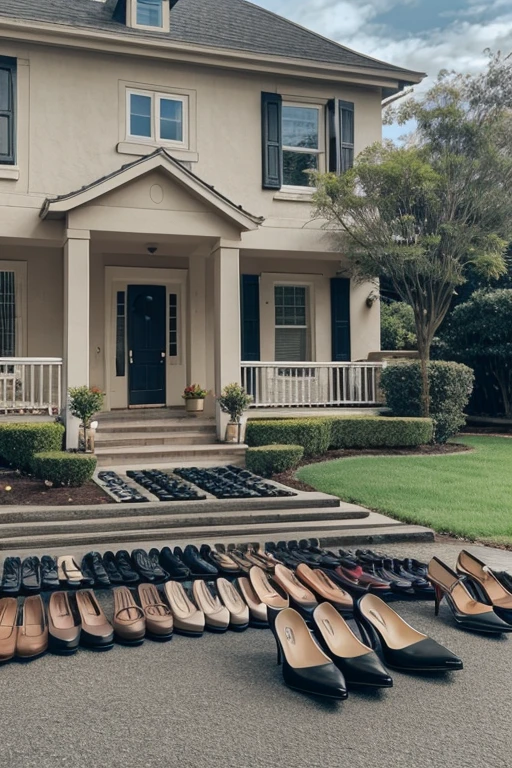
(279, 653)
(438, 596)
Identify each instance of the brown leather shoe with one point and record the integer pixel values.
(129, 622)
(32, 639)
(8, 628)
(322, 585)
(159, 619)
(97, 632)
(63, 628)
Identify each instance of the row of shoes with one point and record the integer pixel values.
(120, 489)
(231, 483)
(165, 488)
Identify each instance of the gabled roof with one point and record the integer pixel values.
(57, 207)
(236, 25)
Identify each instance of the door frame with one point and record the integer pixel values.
(118, 279)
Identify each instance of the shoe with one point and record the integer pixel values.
(49, 573)
(301, 598)
(359, 664)
(129, 622)
(94, 562)
(242, 562)
(270, 594)
(306, 668)
(11, 578)
(63, 627)
(325, 588)
(193, 560)
(160, 573)
(97, 632)
(32, 637)
(145, 565)
(223, 562)
(488, 587)
(176, 569)
(258, 616)
(238, 610)
(216, 615)
(8, 628)
(350, 583)
(159, 619)
(69, 571)
(31, 576)
(402, 646)
(467, 612)
(188, 619)
(124, 565)
(109, 564)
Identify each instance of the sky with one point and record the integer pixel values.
(424, 35)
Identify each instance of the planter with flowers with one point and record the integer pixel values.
(194, 397)
(84, 402)
(235, 401)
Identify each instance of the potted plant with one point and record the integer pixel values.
(235, 400)
(194, 396)
(84, 402)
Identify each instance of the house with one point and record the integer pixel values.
(155, 213)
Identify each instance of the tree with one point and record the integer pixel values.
(424, 214)
(479, 334)
(397, 328)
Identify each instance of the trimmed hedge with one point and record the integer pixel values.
(63, 468)
(380, 432)
(451, 385)
(268, 460)
(20, 442)
(313, 434)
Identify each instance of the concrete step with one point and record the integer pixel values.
(150, 426)
(151, 455)
(118, 439)
(143, 414)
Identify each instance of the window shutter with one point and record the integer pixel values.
(250, 312)
(340, 317)
(272, 149)
(332, 125)
(346, 135)
(7, 110)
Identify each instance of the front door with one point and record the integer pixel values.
(146, 344)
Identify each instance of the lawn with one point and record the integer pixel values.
(467, 494)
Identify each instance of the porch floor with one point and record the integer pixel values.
(300, 413)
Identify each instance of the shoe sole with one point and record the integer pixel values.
(321, 695)
(159, 638)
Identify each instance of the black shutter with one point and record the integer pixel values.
(332, 126)
(340, 315)
(7, 110)
(272, 150)
(250, 311)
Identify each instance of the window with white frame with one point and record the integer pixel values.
(302, 138)
(149, 13)
(291, 323)
(160, 118)
(7, 314)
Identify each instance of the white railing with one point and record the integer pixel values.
(312, 384)
(30, 383)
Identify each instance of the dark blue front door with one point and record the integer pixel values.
(146, 344)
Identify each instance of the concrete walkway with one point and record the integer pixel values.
(219, 702)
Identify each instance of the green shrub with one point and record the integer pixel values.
(451, 385)
(62, 468)
(313, 434)
(380, 432)
(268, 460)
(397, 327)
(20, 442)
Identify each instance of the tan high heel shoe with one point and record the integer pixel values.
(258, 616)
(216, 615)
(32, 638)
(301, 598)
(319, 582)
(238, 610)
(8, 628)
(487, 585)
(159, 619)
(129, 621)
(97, 632)
(188, 619)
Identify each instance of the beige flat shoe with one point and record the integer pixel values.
(129, 621)
(238, 610)
(159, 618)
(32, 638)
(69, 571)
(266, 592)
(216, 615)
(188, 619)
(258, 616)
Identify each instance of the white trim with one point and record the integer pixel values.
(11, 172)
(131, 17)
(310, 314)
(21, 305)
(155, 138)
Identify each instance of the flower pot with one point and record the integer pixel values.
(235, 431)
(89, 439)
(194, 405)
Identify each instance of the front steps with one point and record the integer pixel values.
(159, 437)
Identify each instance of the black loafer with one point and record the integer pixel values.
(195, 562)
(94, 563)
(111, 569)
(148, 566)
(177, 570)
(125, 567)
(11, 579)
(49, 573)
(31, 576)
(159, 572)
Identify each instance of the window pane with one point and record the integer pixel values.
(171, 120)
(4, 136)
(291, 344)
(120, 335)
(173, 325)
(300, 127)
(140, 115)
(290, 304)
(149, 13)
(347, 126)
(347, 158)
(295, 165)
(5, 88)
(7, 315)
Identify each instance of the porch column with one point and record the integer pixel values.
(196, 337)
(227, 322)
(76, 322)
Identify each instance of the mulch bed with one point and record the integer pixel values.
(288, 478)
(27, 491)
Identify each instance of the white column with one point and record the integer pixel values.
(76, 322)
(227, 323)
(196, 332)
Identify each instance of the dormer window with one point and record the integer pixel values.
(148, 14)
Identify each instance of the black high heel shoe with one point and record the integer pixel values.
(467, 612)
(306, 668)
(402, 646)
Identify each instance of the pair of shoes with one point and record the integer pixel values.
(23, 634)
(70, 573)
(222, 605)
(148, 566)
(132, 622)
(197, 565)
(119, 568)
(476, 598)
(75, 619)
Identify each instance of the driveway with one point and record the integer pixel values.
(219, 702)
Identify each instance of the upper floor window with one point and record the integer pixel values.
(7, 111)
(301, 144)
(347, 135)
(149, 13)
(159, 118)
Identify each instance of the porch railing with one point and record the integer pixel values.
(30, 383)
(312, 384)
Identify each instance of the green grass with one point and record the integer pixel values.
(465, 494)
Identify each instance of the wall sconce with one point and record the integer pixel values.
(371, 299)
